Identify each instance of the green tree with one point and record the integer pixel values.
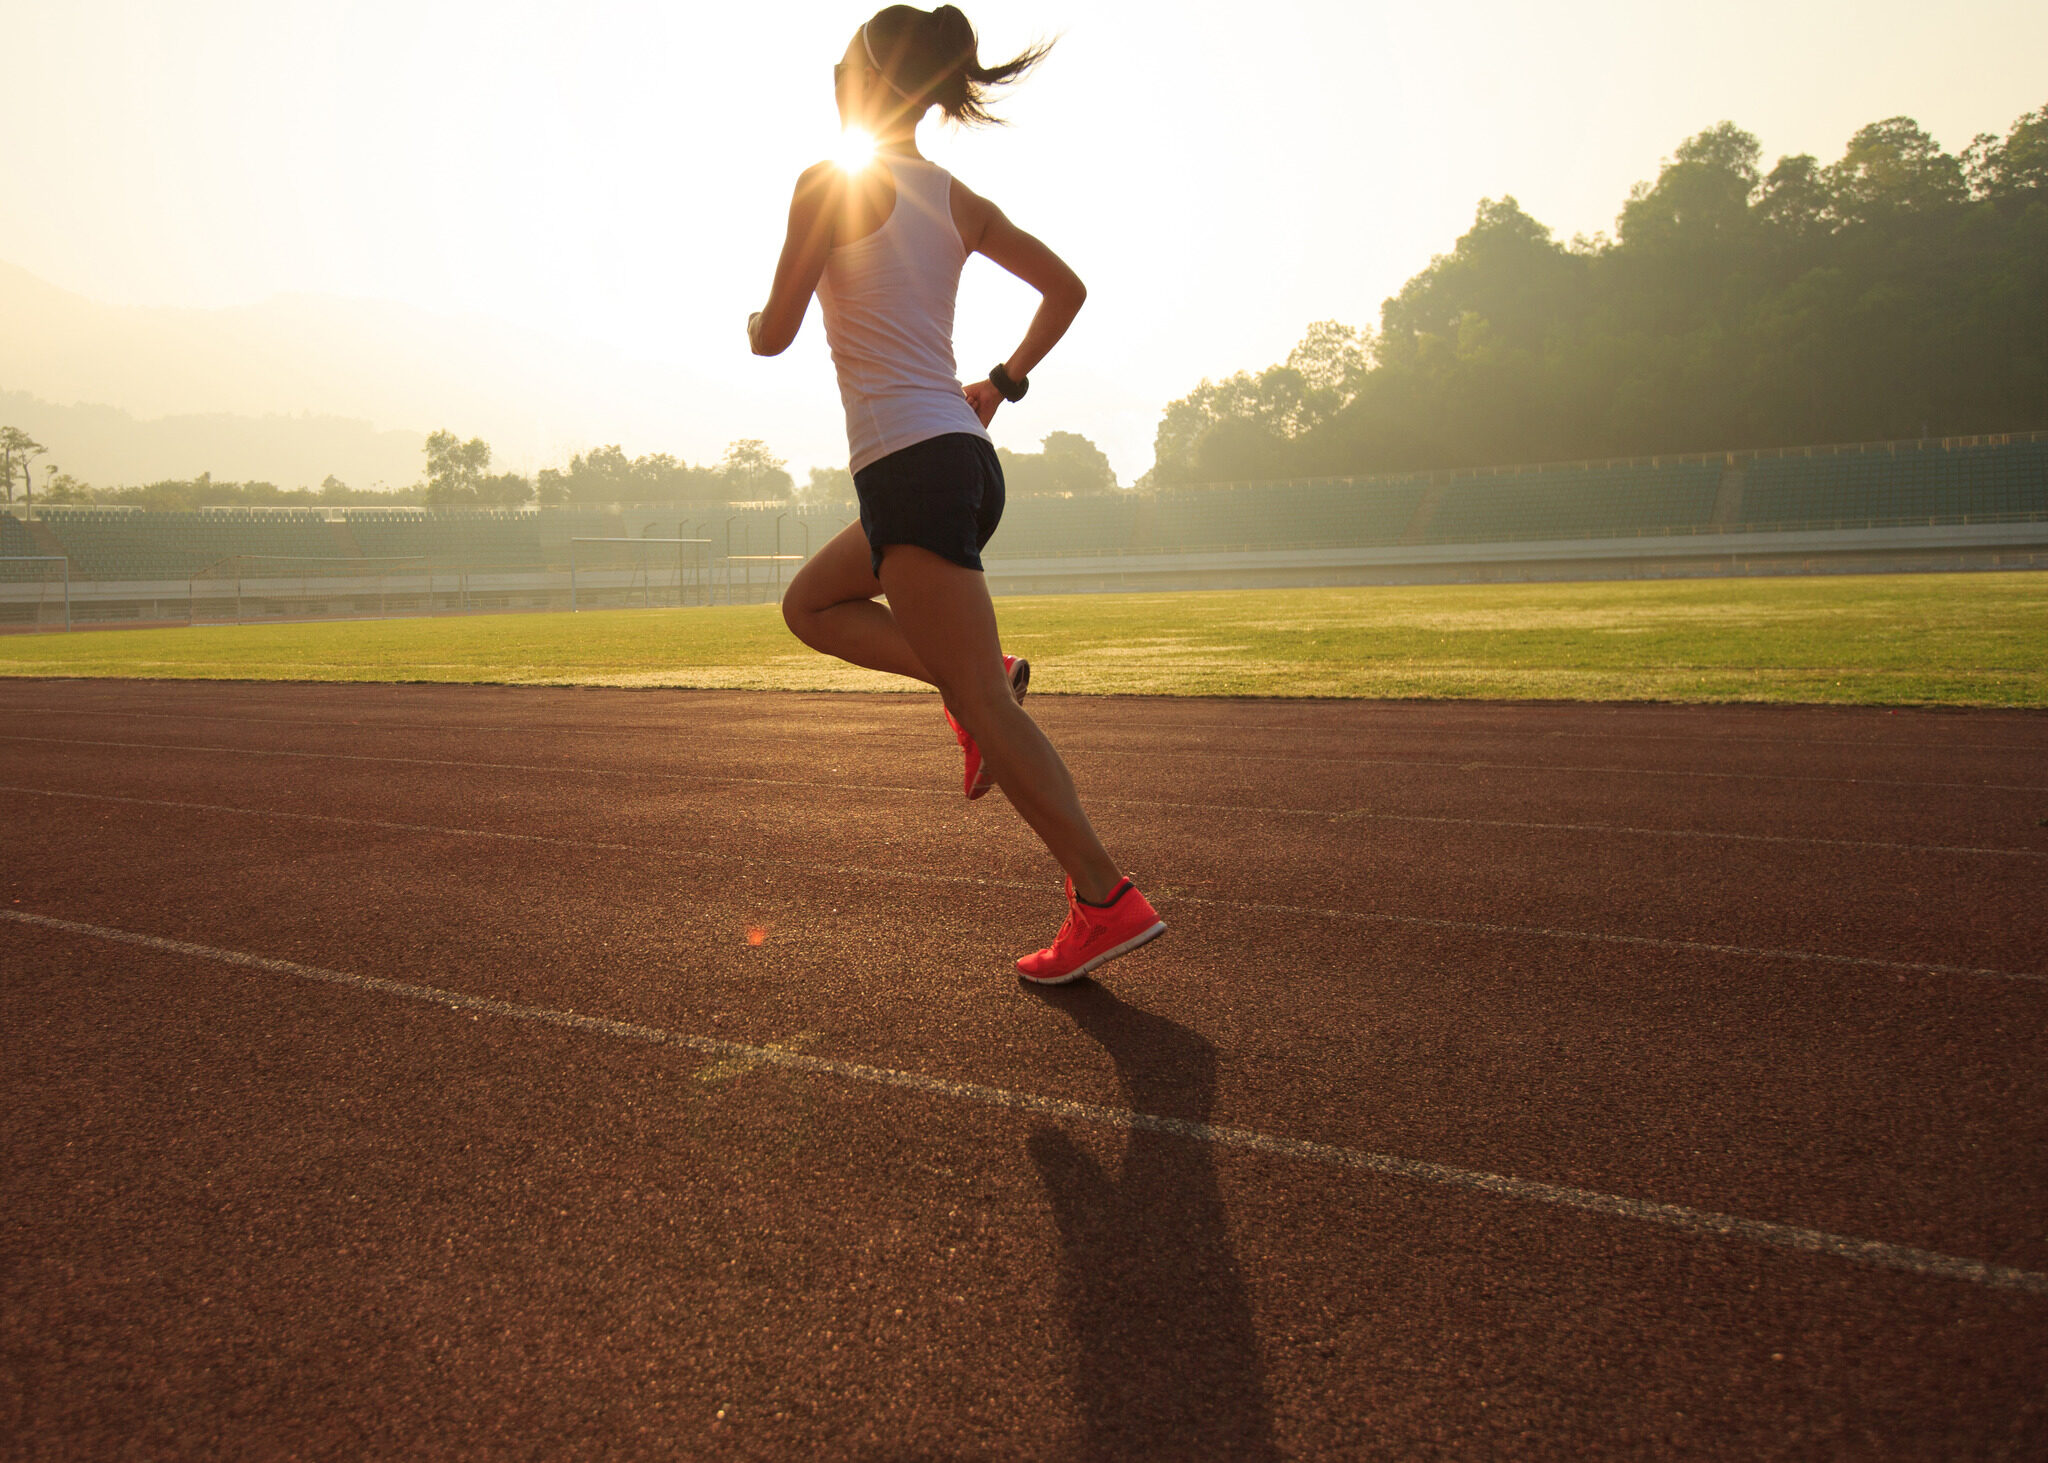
(1896, 290)
(1702, 195)
(456, 470)
(606, 475)
(753, 472)
(1793, 201)
(1067, 466)
(505, 489)
(1332, 358)
(1241, 426)
(64, 488)
(2014, 169)
(1894, 167)
(17, 451)
(826, 486)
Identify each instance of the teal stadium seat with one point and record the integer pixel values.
(1898, 486)
(1211, 518)
(1598, 501)
(137, 544)
(15, 539)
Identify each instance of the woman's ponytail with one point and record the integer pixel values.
(933, 57)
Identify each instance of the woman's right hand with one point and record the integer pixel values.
(984, 398)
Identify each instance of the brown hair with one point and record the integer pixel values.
(931, 57)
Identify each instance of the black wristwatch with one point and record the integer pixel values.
(999, 378)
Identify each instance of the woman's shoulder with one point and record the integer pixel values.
(850, 203)
(821, 181)
(971, 213)
(829, 185)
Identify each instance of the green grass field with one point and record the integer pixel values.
(1957, 640)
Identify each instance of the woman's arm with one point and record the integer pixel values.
(804, 248)
(1061, 293)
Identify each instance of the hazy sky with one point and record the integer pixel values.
(617, 170)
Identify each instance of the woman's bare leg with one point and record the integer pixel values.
(947, 622)
(949, 642)
(830, 606)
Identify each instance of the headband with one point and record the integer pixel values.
(876, 66)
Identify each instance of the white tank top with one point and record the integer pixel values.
(888, 303)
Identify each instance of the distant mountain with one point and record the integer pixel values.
(107, 447)
(382, 366)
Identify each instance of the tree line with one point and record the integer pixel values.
(1900, 291)
(1067, 464)
(458, 473)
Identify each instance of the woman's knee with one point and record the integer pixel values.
(805, 599)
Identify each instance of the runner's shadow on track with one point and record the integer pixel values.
(1165, 1360)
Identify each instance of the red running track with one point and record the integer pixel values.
(389, 1073)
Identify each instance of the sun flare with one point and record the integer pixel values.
(856, 150)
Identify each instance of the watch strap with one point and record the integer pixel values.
(1010, 390)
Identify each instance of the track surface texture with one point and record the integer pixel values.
(408, 1072)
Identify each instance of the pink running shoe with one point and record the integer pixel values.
(1094, 935)
(979, 779)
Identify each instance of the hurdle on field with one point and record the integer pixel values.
(747, 563)
(690, 563)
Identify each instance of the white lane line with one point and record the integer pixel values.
(1366, 815)
(1512, 726)
(1672, 1216)
(1223, 754)
(1215, 754)
(1742, 739)
(920, 876)
(1651, 942)
(564, 769)
(1332, 815)
(436, 830)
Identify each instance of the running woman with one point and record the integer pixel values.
(882, 247)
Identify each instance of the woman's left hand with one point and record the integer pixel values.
(984, 398)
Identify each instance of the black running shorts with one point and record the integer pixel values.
(944, 494)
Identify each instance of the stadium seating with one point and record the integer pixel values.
(473, 538)
(1595, 501)
(1345, 512)
(1216, 518)
(129, 543)
(1905, 484)
(15, 539)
